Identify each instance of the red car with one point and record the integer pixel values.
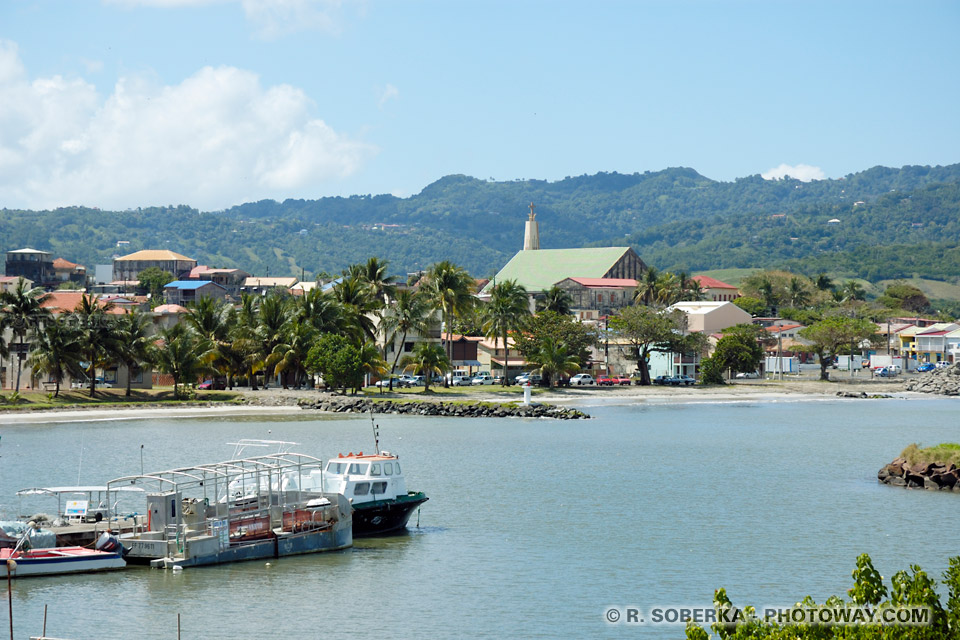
(605, 381)
(622, 380)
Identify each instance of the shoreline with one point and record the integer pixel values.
(281, 401)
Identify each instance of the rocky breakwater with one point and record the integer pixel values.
(341, 404)
(945, 382)
(925, 475)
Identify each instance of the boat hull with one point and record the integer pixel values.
(385, 517)
(61, 560)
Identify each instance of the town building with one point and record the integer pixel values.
(185, 292)
(715, 290)
(34, 265)
(711, 317)
(66, 271)
(603, 295)
(9, 283)
(230, 279)
(127, 269)
(261, 286)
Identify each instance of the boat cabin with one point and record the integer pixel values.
(365, 478)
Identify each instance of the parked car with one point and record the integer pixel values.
(582, 379)
(497, 379)
(622, 380)
(885, 372)
(685, 381)
(531, 378)
(925, 367)
(748, 375)
(386, 382)
(460, 381)
(661, 380)
(604, 381)
(217, 384)
(482, 378)
(943, 364)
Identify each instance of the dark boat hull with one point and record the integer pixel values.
(384, 517)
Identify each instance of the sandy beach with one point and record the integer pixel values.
(282, 401)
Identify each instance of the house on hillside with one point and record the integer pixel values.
(715, 290)
(9, 283)
(231, 280)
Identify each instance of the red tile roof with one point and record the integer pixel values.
(783, 327)
(712, 283)
(67, 301)
(60, 263)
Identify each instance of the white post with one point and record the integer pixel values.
(526, 394)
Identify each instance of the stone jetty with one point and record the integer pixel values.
(927, 475)
(945, 382)
(347, 404)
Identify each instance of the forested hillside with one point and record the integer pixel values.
(892, 223)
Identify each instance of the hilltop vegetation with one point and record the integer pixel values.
(907, 225)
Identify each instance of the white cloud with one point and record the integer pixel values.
(389, 92)
(801, 172)
(216, 139)
(271, 18)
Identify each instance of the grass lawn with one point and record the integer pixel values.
(437, 391)
(36, 400)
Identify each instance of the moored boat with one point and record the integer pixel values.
(376, 488)
(58, 560)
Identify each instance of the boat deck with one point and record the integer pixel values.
(85, 533)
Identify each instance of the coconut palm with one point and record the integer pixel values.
(23, 310)
(410, 312)
(852, 290)
(245, 344)
(289, 357)
(383, 287)
(181, 355)
(321, 310)
(646, 290)
(506, 311)
(56, 351)
(555, 361)
(823, 282)
(690, 289)
(358, 304)
(797, 293)
(134, 344)
(555, 299)
(272, 324)
(98, 335)
(371, 360)
(426, 359)
(450, 290)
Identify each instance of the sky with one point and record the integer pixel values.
(211, 103)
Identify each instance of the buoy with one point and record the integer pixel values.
(268, 564)
(177, 568)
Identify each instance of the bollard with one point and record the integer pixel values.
(526, 394)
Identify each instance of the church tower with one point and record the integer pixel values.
(531, 232)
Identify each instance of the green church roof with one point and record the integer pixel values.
(540, 269)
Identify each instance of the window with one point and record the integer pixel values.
(336, 467)
(375, 469)
(387, 469)
(379, 488)
(362, 489)
(358, 469)
(398, 468)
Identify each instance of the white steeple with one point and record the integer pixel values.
(531, 232)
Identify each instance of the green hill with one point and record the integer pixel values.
(893, 223)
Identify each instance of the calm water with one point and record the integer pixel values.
(533, 528)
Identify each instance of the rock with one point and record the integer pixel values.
(928, 483)
(896, 481)
(946, 480)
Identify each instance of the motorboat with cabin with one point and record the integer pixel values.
(245, 508)
(375, 486)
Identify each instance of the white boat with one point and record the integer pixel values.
(57, 561)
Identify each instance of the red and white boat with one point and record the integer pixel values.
(58, 560)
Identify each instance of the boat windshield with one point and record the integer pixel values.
(358, 469)
(337, 468)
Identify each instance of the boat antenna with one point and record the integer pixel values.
(376, 433)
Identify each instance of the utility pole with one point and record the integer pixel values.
(780, 353)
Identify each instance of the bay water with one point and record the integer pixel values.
(534, 528)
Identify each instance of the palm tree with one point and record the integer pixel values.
(24, 312)
(555, 361)
(97, 335)
(358, 304)
(371, 360)
(272, 325)
(507, 311)
(555, 299)
(56, 351)
(409, 312)
(134, 344)
(245, 345)
(182, 356)
(426, 359)
(768, 295)
(852, 290)
(374, 272)
(668, 290)
(646, 290)
(321, 310)
(450, 290)
(213, 321)
(797, 293)
(690, 289)
(823, 282)
(290, 356)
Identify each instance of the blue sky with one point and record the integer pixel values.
(210, 103)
